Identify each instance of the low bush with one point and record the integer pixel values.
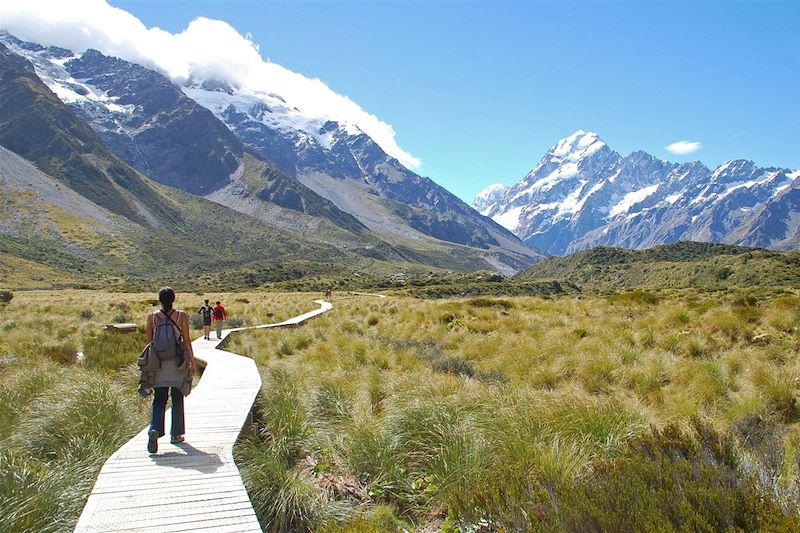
(491, 302)
(667, 481)
(333, 401)
(234, 322)
(634, 297)
(111, 350)
(6, 296)
(64, 352)
(196, 321)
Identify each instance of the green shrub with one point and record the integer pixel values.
(64, 352)
(282, 417)
(333, 401)
(284, 348)
(283, 500)
(634, 297)
(491, 302)
(580, 333)
(196, 321)
(667, 482)
(112, 351)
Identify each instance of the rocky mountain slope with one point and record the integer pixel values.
(150, 124)
(583, 194)
(343, 164)
(73, 213)
(323, 169)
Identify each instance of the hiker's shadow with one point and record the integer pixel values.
(191, 459)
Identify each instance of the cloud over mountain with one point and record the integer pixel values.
(684, 147)
(206, 49)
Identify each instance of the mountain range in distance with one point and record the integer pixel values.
(345, 194)
(148, 158)
(583, 194)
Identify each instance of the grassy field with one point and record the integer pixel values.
(68, 392)
(625, 413)
(622, 413)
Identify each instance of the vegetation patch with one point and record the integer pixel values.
(552, 414)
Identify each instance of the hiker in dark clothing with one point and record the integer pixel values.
(169, 325)
(205, 311)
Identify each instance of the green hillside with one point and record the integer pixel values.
(681, 265)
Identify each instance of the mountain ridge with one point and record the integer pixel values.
(141, 116)
(583, 194)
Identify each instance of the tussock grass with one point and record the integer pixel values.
(61, 415)
(513, 413)
(590, 395)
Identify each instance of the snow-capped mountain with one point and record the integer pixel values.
(243, 149)
(343, 164)
(489, 196)
(584, 194)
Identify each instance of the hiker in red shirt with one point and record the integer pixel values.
(219, 317)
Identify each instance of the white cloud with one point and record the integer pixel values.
(205, 49)
(684, 147)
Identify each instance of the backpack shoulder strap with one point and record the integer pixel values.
(180, 333)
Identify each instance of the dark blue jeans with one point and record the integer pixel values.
(160, 405)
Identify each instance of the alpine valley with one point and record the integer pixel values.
(583, 194)
(68, 118)
(108, 168)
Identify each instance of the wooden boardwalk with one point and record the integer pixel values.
(195, 485)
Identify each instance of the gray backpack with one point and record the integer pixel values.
(167, 344)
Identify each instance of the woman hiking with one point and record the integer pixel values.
(164, 327)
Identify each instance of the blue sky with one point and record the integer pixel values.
(480, 90)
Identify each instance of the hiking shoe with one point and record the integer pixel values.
(177, 439)
(152, 441)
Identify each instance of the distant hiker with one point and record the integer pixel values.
(328, 292)
(168, 335)
(205, 311)
(219, 318)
